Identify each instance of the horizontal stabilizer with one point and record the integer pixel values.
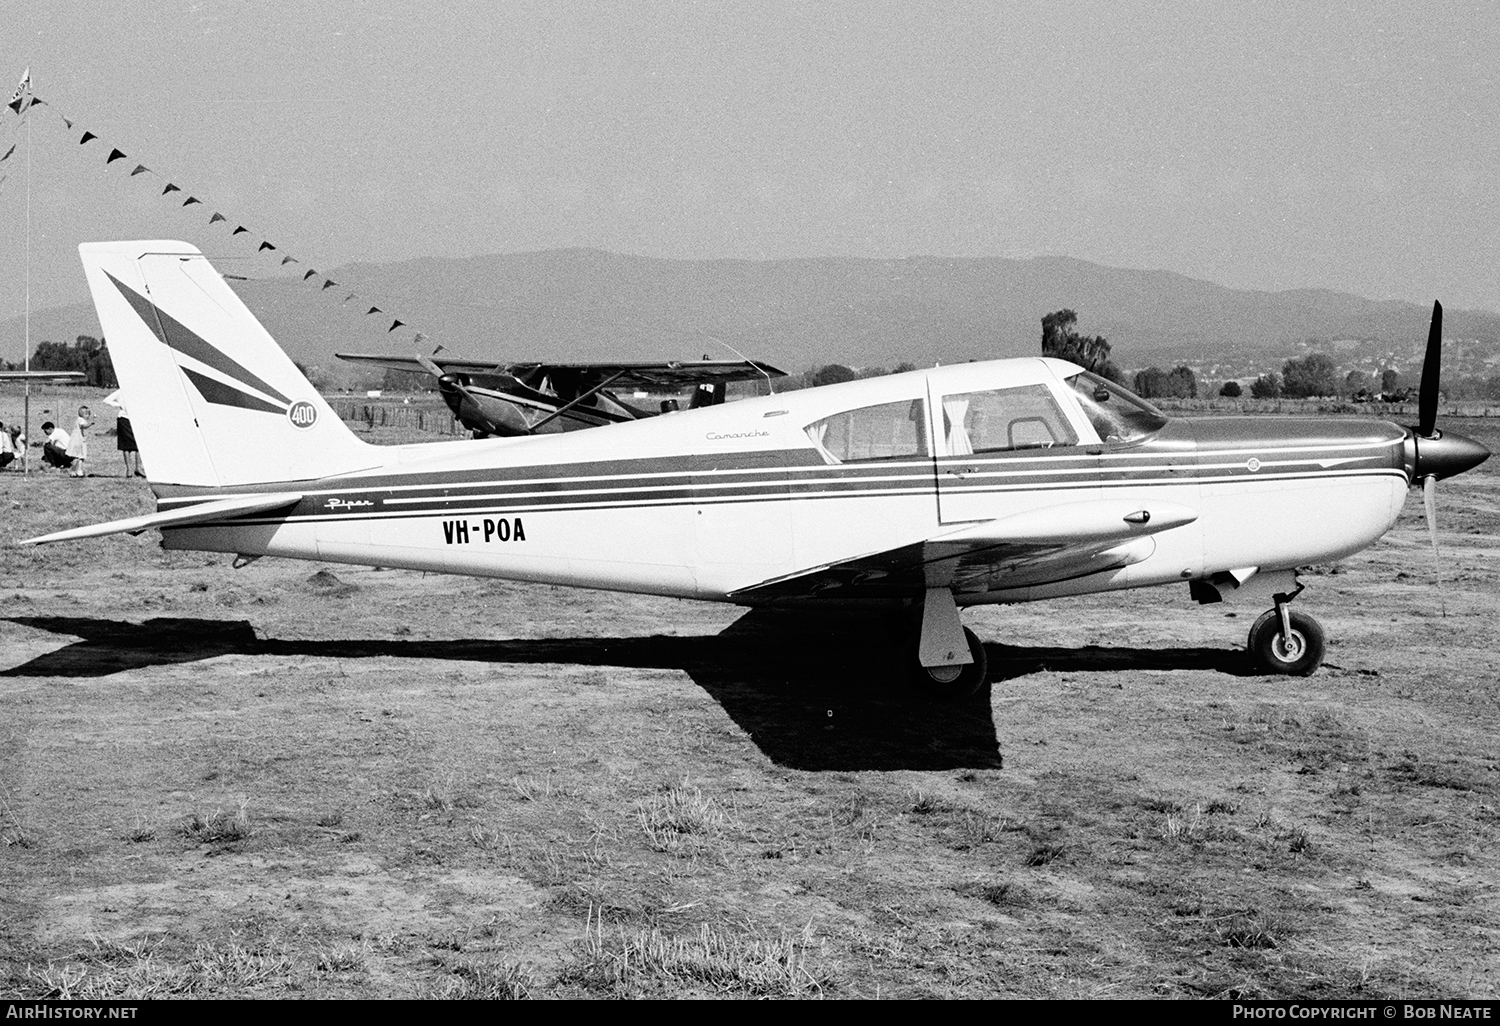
(202, 513)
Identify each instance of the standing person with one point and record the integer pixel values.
(78, 442)
(125, 437)
(7, 448)
(55, 446)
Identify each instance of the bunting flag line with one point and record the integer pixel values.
(23, 99)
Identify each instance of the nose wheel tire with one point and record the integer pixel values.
(1294, 655)
(951, 683)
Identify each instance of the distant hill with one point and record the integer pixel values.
(587, 304)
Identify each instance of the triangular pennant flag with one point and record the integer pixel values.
(328, 284)
(265, 246)
(373, 309)
(217, 217)
(239, 229)
(9, 152)
(36, 101)
(289, 260)
(114, 155)
(86, 137)
(23, 90)
(394, 326)
(140, 169)
(68, 122)
(309, 274)
(191, 200)
(170, 188)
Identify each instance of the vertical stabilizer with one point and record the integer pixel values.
(213, 400)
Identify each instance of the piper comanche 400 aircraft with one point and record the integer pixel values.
(928, 491)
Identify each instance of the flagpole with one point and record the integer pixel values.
(26, 415)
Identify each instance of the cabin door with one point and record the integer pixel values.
(1006, 450)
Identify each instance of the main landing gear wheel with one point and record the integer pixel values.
(1294, 655)
(950, 683)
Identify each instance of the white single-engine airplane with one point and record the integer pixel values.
(1005, 481)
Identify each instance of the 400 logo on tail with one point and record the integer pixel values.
(302, 414)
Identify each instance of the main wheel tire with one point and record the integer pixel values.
(1296, 656)
(951, 683)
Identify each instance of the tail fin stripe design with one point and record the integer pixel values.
(221, 394)
(177, 336)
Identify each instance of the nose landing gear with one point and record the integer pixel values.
(1286, 642)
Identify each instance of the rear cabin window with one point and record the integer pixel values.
(1002, 419)
(885, 432)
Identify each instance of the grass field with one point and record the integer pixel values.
(294, 780)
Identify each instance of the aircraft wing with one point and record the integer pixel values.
(41, 375)
(200, 513)
(670, 374)
(411, 363)
(1042, 546)
(673, 374)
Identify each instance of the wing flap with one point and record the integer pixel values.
(201, 513)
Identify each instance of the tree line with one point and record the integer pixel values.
(87, 355)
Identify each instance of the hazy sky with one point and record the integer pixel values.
(1270, 145)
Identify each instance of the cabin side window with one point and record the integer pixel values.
(1003, 419)
(884, 432)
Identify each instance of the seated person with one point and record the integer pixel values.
(55, 448)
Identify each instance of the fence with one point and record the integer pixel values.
(421, 416)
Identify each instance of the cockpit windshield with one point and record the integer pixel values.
(1119, 416)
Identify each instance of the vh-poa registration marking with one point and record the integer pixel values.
(490, 529)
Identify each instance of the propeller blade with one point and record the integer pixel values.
(436, 371)
(1431, 373)
(1429, 503)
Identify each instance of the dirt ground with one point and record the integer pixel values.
(296, 780)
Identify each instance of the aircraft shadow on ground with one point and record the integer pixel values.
(811, 694)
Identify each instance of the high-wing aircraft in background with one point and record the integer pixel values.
(24, 375)
(928, 491)
(541, 398)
